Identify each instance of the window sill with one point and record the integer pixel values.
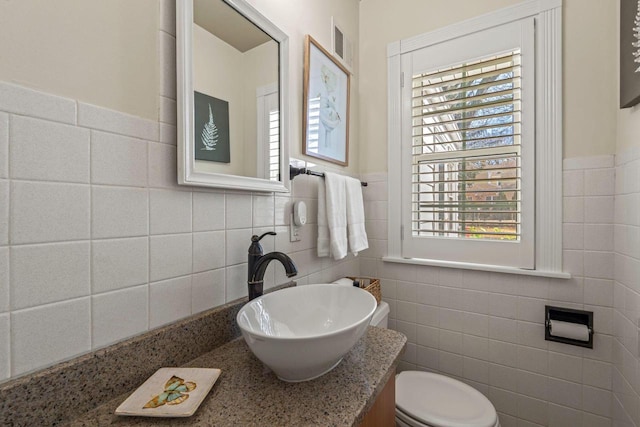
(481, 267)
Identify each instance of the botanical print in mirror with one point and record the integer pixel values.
(211, 128)
(629, 53)
(326, 105)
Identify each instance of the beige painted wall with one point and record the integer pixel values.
(260, 69)
(590, 91)
(105, 52)
(97, 51)
(222, 82)
(300, 17)
(222, 71)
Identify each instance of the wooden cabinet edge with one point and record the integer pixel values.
(383, 411)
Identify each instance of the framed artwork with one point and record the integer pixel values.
(211, 128)
(629, 53)
(326, 105)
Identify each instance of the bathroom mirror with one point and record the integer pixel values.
(232, 65)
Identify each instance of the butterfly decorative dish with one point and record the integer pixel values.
(170, 392)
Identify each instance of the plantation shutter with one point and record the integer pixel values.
(274, 144)
(466, 150)
(469, 177)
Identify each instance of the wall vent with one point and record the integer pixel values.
(342, 45)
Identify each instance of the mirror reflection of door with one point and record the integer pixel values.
(233, 60)
(268, 119)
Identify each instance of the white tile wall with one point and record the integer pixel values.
(169, 300)
(170, 256)
(4, 279)
(626, 298)
(4, 145)
(119, 212)
(106, 244)
(66, 148)
(49, 333)
(487, 328)
(60, 273)
(207, 290)
(5, 361)
(48, 212)
(208, 254)
(4, 212)
(170, 211)
(109, 325)
(118, 160)
(119, 263)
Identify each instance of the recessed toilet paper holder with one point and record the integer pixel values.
(568, 315)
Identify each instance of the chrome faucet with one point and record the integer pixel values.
(258, 262)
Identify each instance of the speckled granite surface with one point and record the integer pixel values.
(64, 391)
(248, 394)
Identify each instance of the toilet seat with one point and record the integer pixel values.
(434, 400)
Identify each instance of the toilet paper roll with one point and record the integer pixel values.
(345, 281)
(574, 331)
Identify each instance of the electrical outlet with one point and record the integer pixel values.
(294, 230)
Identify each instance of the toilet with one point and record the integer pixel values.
(425, 399)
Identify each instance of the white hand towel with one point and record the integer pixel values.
(355, 216)
(336, 207)
(324, 248)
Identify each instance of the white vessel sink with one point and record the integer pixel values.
(303, 332)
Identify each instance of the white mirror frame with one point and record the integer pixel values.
(187, 174)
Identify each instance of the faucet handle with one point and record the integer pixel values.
(255, 237)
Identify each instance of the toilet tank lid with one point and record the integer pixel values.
(380, 313)
(441, 401)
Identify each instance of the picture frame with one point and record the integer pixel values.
(629, 53)
(327, 86)
(211, 128)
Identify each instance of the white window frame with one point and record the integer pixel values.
(547, 16)
(262, 116)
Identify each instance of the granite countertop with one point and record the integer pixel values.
(249, 394)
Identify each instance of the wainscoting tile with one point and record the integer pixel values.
(46, 212)
(263, 211)
(42, 274)
(162, 166)
(4, 145)
(48, 151)
(168, 108)
(168, 134)
(168, 16)
(170, 256)
(5, 347)
(169, 301)
(67, 334)
(119, 263)
(238, 210)
(170, 211)
(208, 251)
(4, 212)
(118, 160)
(28, 102)
(119, 212)
(167, 46)
(4, 280)
(236, 282)
(109, 325)
(208, 290)
(208, 211)
(237, 243)
(99, 118)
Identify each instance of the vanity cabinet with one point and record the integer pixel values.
(383, 412)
